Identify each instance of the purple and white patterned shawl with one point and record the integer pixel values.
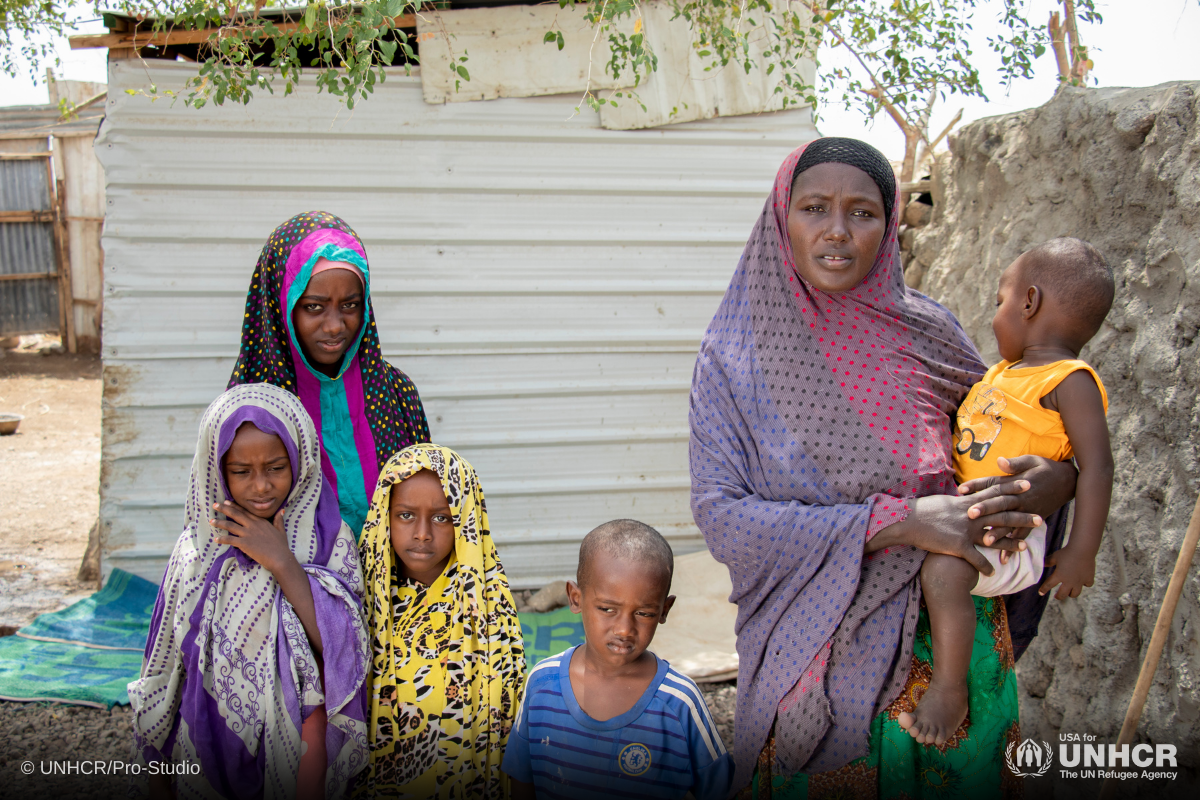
(813, 417)
(229, 675)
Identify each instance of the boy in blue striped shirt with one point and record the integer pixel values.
(608, 718)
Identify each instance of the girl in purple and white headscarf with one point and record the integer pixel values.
(250, 685)
(821, 410)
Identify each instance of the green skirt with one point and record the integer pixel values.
(971, 765)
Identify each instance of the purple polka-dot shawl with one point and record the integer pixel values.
(813, 418)
(228, 674)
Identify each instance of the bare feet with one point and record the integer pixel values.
(941, 710)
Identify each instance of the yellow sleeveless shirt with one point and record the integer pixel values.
(1002, 416)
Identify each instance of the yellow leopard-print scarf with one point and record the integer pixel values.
(448, 661)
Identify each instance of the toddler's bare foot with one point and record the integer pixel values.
(941, 710)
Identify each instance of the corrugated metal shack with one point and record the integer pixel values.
(544, 281)
(51, 212)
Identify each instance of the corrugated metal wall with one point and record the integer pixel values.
(29, 279)
(543, 281)
(67, 244)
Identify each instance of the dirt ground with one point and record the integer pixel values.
(49, 498)
(44, 734)
(42, 737)
(49, 481)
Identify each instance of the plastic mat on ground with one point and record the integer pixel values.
(84, 654)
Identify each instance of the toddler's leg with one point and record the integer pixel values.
(946, 582)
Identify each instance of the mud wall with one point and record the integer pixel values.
(1121, 169)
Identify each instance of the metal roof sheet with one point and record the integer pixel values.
(26, 121)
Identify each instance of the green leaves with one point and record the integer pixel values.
(347, 45)
(896, 51)
(28, 29)
(388, 50)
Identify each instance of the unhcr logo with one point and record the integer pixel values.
(1029, 760)
(1113, 762)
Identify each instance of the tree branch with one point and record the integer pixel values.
(1059, 46)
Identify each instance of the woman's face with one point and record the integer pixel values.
(327, 317)
(835, 225)
(258, 471)
(422, 526)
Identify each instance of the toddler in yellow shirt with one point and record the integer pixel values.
(1039, 400)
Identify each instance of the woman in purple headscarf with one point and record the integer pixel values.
(821, 411)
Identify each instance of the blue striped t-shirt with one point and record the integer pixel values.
(663, 747)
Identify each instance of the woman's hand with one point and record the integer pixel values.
(263, 541)
(1049, 485)
(941, 524)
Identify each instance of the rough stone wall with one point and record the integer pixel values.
(1121, 169)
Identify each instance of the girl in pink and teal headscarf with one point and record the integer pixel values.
(309, 328)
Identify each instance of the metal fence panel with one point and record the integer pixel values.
(544, 282)
(28, 304)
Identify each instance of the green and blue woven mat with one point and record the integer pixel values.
(85, 654)
(549, 634)
(115, 618)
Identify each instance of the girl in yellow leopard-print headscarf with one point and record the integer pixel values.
(448, 661)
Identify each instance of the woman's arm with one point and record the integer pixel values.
(767, 542)
(941, 524)
(267, 544)
(1015, 503)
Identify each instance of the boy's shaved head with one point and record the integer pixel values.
(626, 539)
(1075, 273)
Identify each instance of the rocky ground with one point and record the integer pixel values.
(722, 700)
(41, 738)
(49, 496)
(45, 746)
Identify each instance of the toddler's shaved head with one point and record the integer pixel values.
(1075, 273)
(628, 540)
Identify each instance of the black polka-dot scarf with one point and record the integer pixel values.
(389, 400)
(814, 417)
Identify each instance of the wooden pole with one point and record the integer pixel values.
(1157, 641)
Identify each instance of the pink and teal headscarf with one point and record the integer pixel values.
(370, 409)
